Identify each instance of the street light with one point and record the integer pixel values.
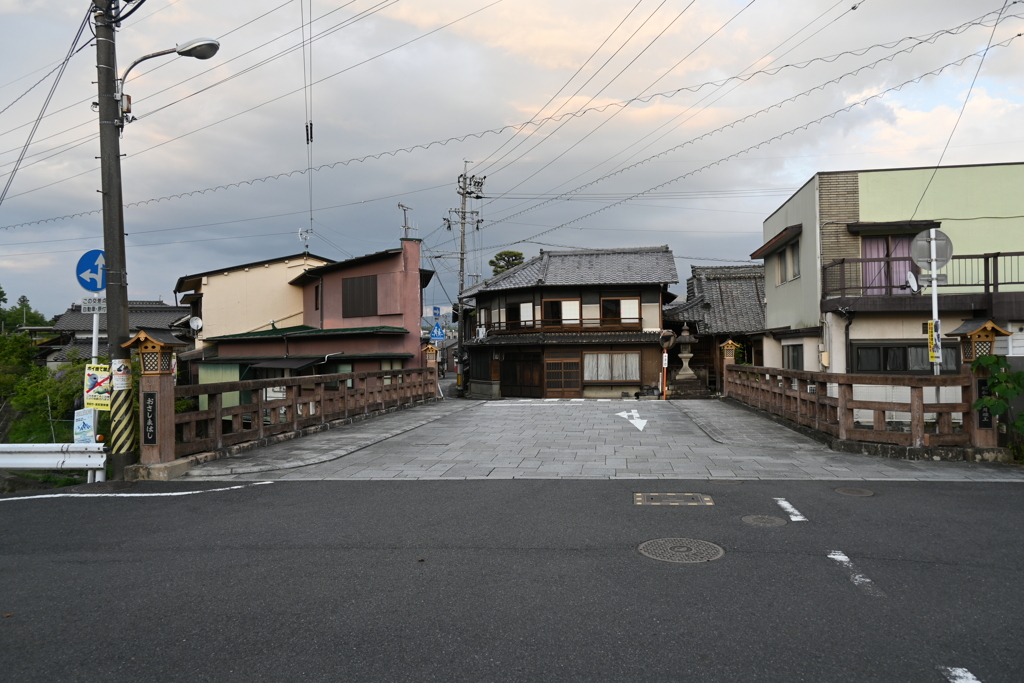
(113, 106)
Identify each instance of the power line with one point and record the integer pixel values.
(56, 81)
(723, 128)
(791, 131)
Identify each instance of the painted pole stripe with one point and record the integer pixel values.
(858, 579)
(793, 513)
(956, 674)
(132, 495)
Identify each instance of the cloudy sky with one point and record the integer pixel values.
(569, 109)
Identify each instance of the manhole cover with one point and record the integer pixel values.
(672, 499)
(855, 492)
(680, 550)
(763, 520)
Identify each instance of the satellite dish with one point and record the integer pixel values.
(912, 283)
(196, 323)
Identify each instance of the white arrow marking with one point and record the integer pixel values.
(633, 417)
(100, 262)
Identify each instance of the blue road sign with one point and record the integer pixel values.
(437, 334)
(437, 311)
(91, 271)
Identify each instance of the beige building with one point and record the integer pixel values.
(837, 254)
(247, 298)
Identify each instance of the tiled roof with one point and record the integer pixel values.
(722, 300)
(633, 266)
(79, 349)
(567, 338)
(140, 314)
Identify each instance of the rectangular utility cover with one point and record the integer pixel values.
(672, 499)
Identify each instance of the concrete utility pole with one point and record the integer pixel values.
(122, 423)
(469, 187)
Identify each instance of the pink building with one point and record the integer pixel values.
(358, 315)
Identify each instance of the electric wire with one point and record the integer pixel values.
(956, 123)
(703, 136)
(792, 131)
(280, 97)
(56, 81)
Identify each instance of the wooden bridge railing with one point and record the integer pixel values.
(289, 404)
(803, 398)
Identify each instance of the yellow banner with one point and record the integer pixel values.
(933, 352)
(97, 387)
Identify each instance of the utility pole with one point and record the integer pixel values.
(122, 422)
(470, 187)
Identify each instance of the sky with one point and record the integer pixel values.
(595, 123)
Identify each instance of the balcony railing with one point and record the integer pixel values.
(968, 273)
(562, 325)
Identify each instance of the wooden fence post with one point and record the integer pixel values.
(844, 413)
(917, 415)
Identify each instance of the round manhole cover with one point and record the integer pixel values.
(681, 550)
(763, 520)
(846, 491)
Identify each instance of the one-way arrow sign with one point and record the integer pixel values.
(634, 417)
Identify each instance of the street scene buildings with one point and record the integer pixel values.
(655, 340)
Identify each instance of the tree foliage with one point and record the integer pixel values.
(21, 313)
(505, 260)
(1004, 386)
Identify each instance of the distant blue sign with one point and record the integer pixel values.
(437, 311)
(91, 271)
(437, 334)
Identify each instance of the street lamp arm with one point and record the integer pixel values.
(142, 59)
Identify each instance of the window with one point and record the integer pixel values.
(559, 312)
(900, 358)
(889, 262)
(787, 263)
(393, 364)
(793, 357)
(359, 296)
(620, 311)
(519, 315)
(611, 367)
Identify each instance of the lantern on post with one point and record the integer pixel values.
(729, 351)
(977, 338)
(156, 349)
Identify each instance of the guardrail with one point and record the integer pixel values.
(803, 397)
(273, 406)
(56, 456)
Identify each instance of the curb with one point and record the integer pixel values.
(166, 471)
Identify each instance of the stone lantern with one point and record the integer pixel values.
(685, 342)
(156, 349)
(978, 338)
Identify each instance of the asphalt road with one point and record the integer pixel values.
(513, 580)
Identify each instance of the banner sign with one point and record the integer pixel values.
(148, 418)
(934, 341)
(122, 374)
(97, 387)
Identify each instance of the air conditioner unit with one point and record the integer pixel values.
(481, 332)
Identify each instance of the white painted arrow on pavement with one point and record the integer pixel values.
(633, 417)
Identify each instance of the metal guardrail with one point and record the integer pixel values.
(56, 456)
(856, 277)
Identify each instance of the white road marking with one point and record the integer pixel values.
(956, 674)
(603, 400)
(552, 399)
(577, 399)
(634, 418)
(132, 495)
(794, 514)
(858, 579)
